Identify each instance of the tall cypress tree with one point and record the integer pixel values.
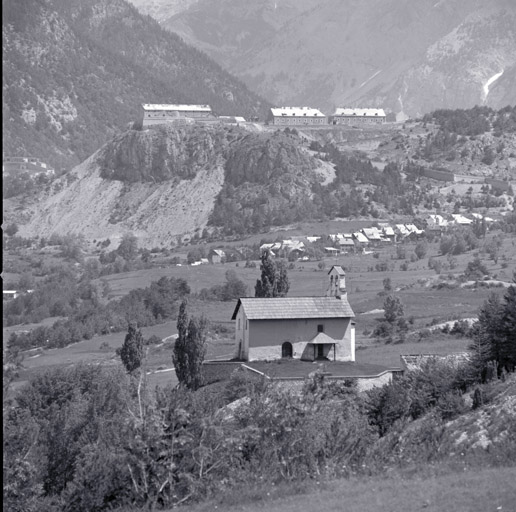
(282, 282)
(132, 349)
(274, 279)
(189, 349)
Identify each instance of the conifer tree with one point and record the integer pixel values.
(132, 349)
(487, 336)
(283, 284)
(189, 349)
(508, 330)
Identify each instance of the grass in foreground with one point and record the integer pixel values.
(472, 490)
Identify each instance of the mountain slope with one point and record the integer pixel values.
(406, 56)
(76, 72)
(166, 182)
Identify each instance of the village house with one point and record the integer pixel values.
(332, 251)
(414, 230)
(305, 328)
(436, 222)
(402, 230)
(217, 256)
(461, 220)
(154, 114)
(10, 294)
(31, 165)
(358, 116)
(373, 234)
(388, 233)
(361, 240)
(13, 294)
(479, 216)
(289, 116)
(346, 245)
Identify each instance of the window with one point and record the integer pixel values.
(247, 324)
(320, 328)
(239, 324)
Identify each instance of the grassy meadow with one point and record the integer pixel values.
(424, 305)
(462, 490)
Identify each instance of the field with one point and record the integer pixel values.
(471, 490)
(423, 304)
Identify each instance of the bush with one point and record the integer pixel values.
(105, 347)
(153, 340)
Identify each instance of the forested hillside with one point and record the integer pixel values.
(76, 72)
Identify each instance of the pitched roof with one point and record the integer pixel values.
(190, 108)
(322, 339)
(296, 111)
(339, 270)
(283, 308)
(368, 112)
(361, 237)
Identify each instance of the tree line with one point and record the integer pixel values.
(87, 316)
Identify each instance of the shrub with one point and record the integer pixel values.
(105, 347)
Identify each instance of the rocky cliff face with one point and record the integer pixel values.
(409, 57)
(166, 182)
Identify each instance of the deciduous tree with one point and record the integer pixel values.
(128, 247)
(393, 308)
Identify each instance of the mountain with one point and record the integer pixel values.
(169, 181)
(75, 72)
(408, 57)
(166, 182)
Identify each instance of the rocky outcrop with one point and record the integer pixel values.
(161, 153)
(165, 182)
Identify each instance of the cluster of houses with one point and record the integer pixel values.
(440, 223)
(343, 243)
(182, 115)
(358, 241)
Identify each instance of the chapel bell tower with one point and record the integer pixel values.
(337, 282)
